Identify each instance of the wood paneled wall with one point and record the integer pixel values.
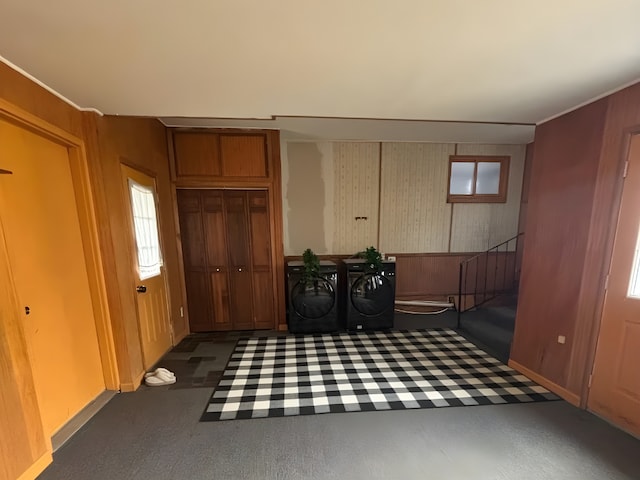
(573, 200)
(436, 275)
(140, 143)
(108, 141)
(563, 177)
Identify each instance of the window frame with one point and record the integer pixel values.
(500, 197)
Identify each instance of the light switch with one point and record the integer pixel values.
(561, 339)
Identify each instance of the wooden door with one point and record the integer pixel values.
(262, 273)
(226, 247)
(46, 253)
(23, 446)
(615, 387)
(239, 258)
(213, 219)
(151, 289)
(194, 257)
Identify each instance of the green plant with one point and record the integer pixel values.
(372, 257)
(311, 266)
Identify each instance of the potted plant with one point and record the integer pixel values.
(372, 257)
(311, 265)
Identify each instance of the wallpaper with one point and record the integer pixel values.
(326, 185)
(414, 214)
(477, 227)
(356, 195)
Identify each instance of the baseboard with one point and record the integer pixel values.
(562, 392)
(37, 467)
(133, 386)
(77, 421)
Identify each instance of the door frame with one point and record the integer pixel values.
(616, 202)
(131, 245)
(85, 205)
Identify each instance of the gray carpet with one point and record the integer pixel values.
(155, 434)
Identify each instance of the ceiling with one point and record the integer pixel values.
(197, 62)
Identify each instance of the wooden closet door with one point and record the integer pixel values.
(262, 275)
(213, 219)
(197, 280)
(240, 281)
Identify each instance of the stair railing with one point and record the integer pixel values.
(489, 274)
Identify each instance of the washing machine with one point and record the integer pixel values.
(370, 296)
(313, 305)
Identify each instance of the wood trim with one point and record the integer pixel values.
(223, 184)
(275, 117)
(37, 467)
(570, 397)
(88, 226)
(176, 220)
(132, 386)
(503, 188)
(72, 426)
(277, 226)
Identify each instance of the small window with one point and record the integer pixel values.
(145, 224)
(475, 179)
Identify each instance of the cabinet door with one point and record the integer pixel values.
(197, 280)
(240, 281)
(216, 250)
(196, 155)
(262, 275)
(243, 155)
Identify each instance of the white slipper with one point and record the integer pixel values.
(158, 370)
(159, 380)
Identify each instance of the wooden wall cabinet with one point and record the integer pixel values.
(207, 155)
(229, 213)
(226, 242)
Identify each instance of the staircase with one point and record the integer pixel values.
(491, 326)
(488, 297)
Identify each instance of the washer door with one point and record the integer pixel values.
(372, 294)
(314, 299)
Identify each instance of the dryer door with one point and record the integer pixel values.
(372, 294)
(314, 299)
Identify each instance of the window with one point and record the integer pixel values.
(476, 179)
(634, 281)
(145, 223)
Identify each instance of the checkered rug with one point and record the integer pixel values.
(352, 372)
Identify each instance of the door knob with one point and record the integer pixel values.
(141, 289)
(239, 269)
(217, 269)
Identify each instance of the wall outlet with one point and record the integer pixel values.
(562, 339)
(391, 258)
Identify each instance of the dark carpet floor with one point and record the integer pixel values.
(155, 433)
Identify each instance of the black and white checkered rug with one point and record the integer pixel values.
(352, 372)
